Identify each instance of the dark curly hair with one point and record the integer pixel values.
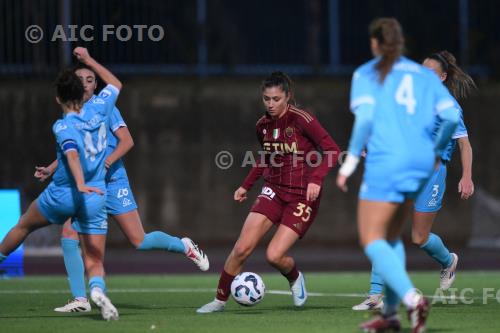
(69, 88)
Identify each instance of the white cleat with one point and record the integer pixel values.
(372, 302)
(214, 306)
(196, 254)
(299, 292)
(75, 305)
(108, 310)
(448, 274)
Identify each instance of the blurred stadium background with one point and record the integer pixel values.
(196, 92)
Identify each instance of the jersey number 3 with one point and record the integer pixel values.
(92, 150)
(404, 94)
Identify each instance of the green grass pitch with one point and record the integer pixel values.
(152, 303)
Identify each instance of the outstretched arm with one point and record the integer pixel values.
(82, 54)
(42, 173)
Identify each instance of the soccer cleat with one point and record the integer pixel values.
(299, 292)
(108, 310)
(418, 315)
(380, 323)
(196, 254)
(75, 305)
(448, 274)
(372, 302)
(214, 306)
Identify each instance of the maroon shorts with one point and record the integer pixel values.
(289, 209)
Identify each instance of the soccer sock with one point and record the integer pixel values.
(385, 262)
(391, 298)
(224, 287)
(435, 248)
(74, 267)
(2, 257)
(292, 275)
(97, 282)
(158, 240)
(376, 284)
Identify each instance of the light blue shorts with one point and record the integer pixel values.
(59, 203)
(120, 199)
(430, 199)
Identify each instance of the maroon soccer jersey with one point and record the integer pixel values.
(298, 151)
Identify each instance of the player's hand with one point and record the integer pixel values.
(42, 173)
(465, 188)
(89, 189)
(240, 194)
(107, 164)
(342, 182)
(82, 54)
(312, 191)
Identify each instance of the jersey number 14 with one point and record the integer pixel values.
(92, 150)
(404, 94)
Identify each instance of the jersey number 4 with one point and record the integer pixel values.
(92, 150)
(404, 94)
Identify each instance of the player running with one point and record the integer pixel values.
(120, 204)
(293, 175)
(394, 101)
(78, 187)
(429, 201)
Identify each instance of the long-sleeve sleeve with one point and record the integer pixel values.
(257, 170)
(329, 149)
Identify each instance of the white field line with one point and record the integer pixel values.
(209, 290)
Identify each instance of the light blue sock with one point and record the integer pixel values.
(158, 240)
(74, 266)
(97, 282)
(2, 257)
(435, 248)
(387, 264)
(376, 284)
(391, 298)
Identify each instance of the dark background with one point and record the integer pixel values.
(196, 93)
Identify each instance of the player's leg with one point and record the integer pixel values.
(93, 248)
(31, 220)
(131, 225)
(277, 256)
(73, 262)
(255, 227)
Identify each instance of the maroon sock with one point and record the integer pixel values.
(224, 287)
(292, 275)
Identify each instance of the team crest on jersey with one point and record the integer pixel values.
(289, 132)
(276, 133)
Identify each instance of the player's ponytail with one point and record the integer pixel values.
(282, 80)
(69, 89)
(459, 83)
(389, 35)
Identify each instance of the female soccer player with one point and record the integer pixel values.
(69, 194)
(120, 204)
(394, 101)
(293, 175)
(429, 201)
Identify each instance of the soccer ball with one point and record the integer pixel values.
(248, 289)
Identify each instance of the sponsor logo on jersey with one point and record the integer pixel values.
(268, 192)
(281, 147)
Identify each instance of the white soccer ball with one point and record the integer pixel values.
(248, 289)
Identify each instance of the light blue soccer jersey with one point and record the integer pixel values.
(117, 171)
(87, 132)
(460, 132)
(400, 145)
